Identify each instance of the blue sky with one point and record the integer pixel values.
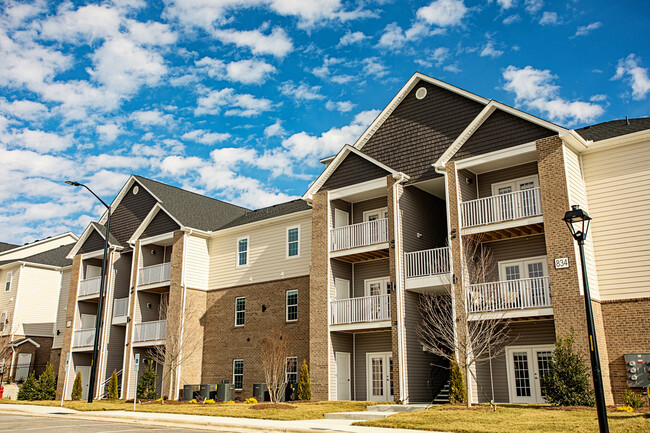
(238, 99)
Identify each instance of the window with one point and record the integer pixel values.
(291, 370)
(3, 320)
(240, 311)
(8, 282)
(293, 242)
(292, 305)
(242, 251)
(238, 373)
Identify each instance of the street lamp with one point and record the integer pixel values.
(578, 222)
(100, 302)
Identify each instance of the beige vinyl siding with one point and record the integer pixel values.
(578, 195)
(267, 256)
(38, 300)
(46, 245)
(618, 180)
(341, 342)
(484, 181)
(367, 271)
(61, 310)
(7, 299)
(197, 263)
(368, 342)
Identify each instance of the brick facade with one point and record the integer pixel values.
(393, 251)
(69, 317)
(128, 350)
(174, 316)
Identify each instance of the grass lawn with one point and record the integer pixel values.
(513, 418)
(300, 410)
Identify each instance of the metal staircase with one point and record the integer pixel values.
(104, 385)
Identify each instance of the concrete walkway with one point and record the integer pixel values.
(235, 425)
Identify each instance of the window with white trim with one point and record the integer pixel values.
(8, 281)
(292, 305)
(240, 311)
(3, 320)
(293, 242)
(242, 251)
(238, 373)
(291, 370)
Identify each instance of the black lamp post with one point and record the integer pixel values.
(100, 302)
(578, 222)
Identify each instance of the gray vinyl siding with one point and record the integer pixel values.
(513, 249)
(360, 207)
(115, 350)
(468, 191)
(130, 213)
(160, 224)
(59, 328)
(366, 271)
(485, 180)
(341, 342)
(340, 205)
(148, 258)
(521, 334)
(354, 169)
(367, 343)
(341, 270)
(425, 214)
(147, 314)
(94, 242)
(122, 267)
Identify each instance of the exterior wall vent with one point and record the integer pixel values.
(421, 93)
(136, 189)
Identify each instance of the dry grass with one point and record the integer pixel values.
(514, 418)
(303, 410)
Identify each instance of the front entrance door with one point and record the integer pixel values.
(379, 376)
(22, 367)
(526, 367)
(343, 376)
(85, 378)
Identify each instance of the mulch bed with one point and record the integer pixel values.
(271, 406)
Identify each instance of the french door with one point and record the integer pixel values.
(526, 367)
(379, 376)
(524, 275)
(523, 204)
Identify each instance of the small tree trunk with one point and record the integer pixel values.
(468, 382)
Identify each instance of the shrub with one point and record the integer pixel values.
(567, 380)
(112, 386)
(230, 402)
(632, 399)
(29, 390)
(210, 401)
(147, 382)
(457, 391)
(77, 390)
(304, 387)
(192, 401)
(251, 400)
(46, 385)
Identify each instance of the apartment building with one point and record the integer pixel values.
(341, 271)
(32, 276)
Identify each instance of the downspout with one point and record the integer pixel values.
(400, 178)
(180, 345)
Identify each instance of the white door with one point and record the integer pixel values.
(93, 271)
(88, 321)
(375, 214)
(341, 218)
(376, 286)
(22, 367)
(525, 203)
(85, 378)
(379, 377)
(526, 367)
(342, 312)
(343, 376)
(525, 287)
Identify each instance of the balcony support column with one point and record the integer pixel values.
(71, 311)
(128, 376)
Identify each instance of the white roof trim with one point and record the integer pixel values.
(620, 140)
(50, 239)
(340, 157)
(26, 340)
(147, 220)
(410, 84)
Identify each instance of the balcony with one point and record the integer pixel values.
(154, 274)
(365, 237)
(524, 207)
(120, 311)
(89, 287)
(371, 311)
(150, 332)
(524, 297)
(83, 338)
(427, 268)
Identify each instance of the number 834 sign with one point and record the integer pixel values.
(562, 263)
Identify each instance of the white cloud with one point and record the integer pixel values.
(342, 106)
(85, 24)
(511, 19)
(175, 165)
(244, 105)
(534, 88)
(277, 43)
(301, 92)
(108, 132)
(40, 141)
(274, 129)
(24, 109)
(350, 38)
(629, 69)
(249, 71)
(549, 18)
(533, 6)
(151, 117)
(16, 14)
(489, 51)
(506, 4)
(443, 13)
(598, 98)
(585, 30)
(151, 33)
(372, 66)
(394, 37)
(205, 137)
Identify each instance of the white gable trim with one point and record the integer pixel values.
(338, 160)
(26, 340)
(150, 216)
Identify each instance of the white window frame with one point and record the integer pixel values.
(237, 311)
(298, 242)
(234, 382)
(382, 211)
(515, 183)
(248, 249)
(286, 371)
(384, 285)
(523, 262)
(286, 303)
(10, 275)
(3, 320)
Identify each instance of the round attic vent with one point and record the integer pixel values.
(421, 93)
(135, 189)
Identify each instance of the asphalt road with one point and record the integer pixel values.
(28, 423)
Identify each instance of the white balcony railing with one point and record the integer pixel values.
(121, 307)
(358, 310)
(150, 331)
(89, 286)
(359, 235)
(427, 262)
(154, 274)
(509, 295)
(83, 337)
(503, 207)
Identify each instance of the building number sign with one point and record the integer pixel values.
(562, 263)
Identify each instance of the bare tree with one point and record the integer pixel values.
(274, 361)
(452, 336)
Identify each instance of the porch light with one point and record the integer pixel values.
(578, 222)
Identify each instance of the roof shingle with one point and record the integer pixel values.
(268, 213)
(614, 128)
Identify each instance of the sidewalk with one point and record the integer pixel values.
(243, 425)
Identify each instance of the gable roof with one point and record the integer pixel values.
(269, 212)
(6, 247)
(90, 228)
(614, 128)
(55, 257)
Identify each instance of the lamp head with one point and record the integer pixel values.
(73, 183)
(577, 220)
